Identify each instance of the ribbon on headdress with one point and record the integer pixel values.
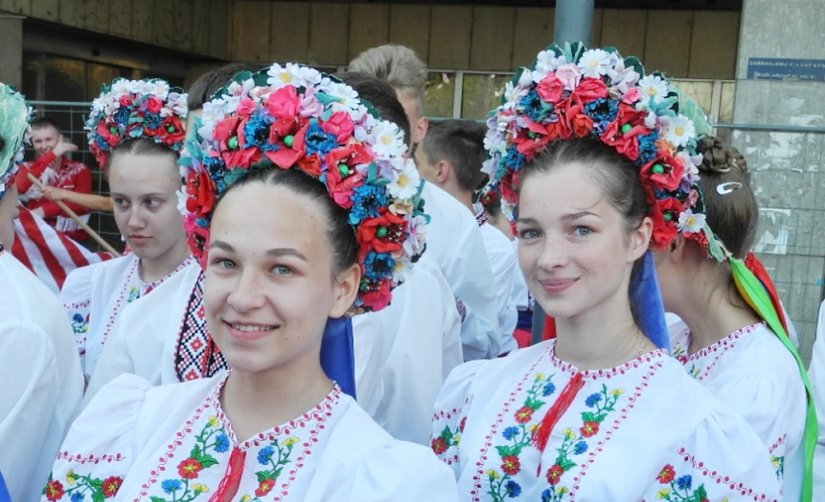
(337, 353)
(757, 297)
(646, 302)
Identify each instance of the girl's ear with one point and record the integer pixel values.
(640, 239)
(346, 289)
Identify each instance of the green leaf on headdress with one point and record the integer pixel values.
(572, 52)
(716, 249)
(610, 49)
(633, 62)
(14, 120)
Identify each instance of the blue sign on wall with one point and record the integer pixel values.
(786, 69)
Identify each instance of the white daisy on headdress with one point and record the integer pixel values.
(120, 87)
(547, 61)
(387, 140)
(344, 98)
(292, 74)
(407, 179)
(594, 63)
(653, 87)
(175, 105)
(678, 131)
(690, 222)
(240, 88)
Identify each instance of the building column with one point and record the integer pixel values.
(11, 49)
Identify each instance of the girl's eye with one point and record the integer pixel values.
(528, 233)
(281, 270)
(224, 263)
(153, 203)
(119, 202)
(582, 231)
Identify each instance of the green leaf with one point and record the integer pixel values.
(208, 461)
(589, 416)
(196, 451)
(97, 496)
(262, 476)
(157, 499)
(567, 464)
(506, 451)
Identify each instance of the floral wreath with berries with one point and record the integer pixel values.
(14, 133)
(131, 109)
(294, 116)
(574, 92)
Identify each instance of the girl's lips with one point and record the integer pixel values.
(249, 331)
(556, 286)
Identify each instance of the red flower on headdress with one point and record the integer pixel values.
(665, 215)
(509, 186)
(550, 88)
(200, 193)
(284, 106)
(341, 176)
(664, 172)
(590, 89)
(384, 234)
(291, 147)
(376, 298)
(229, 133)
(104, 129)
(172, 130)
(581, 125)
(622, 133)
(340, 124)
(152, 104)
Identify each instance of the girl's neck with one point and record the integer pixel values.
(151, 270)
(602, 338)
(711, 306)
(258, 401)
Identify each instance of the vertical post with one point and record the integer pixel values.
(573, 22)
(11, 49)
(574, 19)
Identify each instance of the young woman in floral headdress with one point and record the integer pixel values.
(596, 172)
(136, 129)
(299, 209)
(734, 338)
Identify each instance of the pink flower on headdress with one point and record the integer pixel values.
(569, 75)
(550, 88)
(590, 89)
(340, 124)
(284, 103)
(153, 105)
(286, 155)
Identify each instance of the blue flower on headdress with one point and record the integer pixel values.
(366, 200)
(602, 109)
(534, 107)
(318, 141)
(256, 131)
(647, 148)
(513, 159)
(152, 120)
(378, 266)
(121, 116)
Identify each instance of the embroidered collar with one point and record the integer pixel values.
(481, 218)
(643, 360)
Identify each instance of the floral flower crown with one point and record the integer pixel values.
(573, 92)
(294, 116)
(130, 109)
(14, 133)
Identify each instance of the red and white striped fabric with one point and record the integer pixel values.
(47, 253)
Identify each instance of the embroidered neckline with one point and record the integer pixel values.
(637, 362)
(723, 344)
(313, 417)
(481, 218)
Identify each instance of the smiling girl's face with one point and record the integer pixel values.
(575, 248)
(271, 281)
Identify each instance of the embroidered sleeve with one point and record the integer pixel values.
(98, 451)
(76, 298)
(724, 460)
(450, 414)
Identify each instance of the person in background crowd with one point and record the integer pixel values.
(723, 342)
(39, 366)
(556, 420)
(453, 235)
(136, 130)
(54, 169)
(450, 157)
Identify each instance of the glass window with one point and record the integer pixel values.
(700, 91)
(31, 72)
(481, 93)
(439, 92)
(726, 103)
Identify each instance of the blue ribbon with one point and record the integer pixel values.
(646, 300)
(337, 353)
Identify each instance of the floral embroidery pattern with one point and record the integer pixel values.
(276, 457)
(679, 489)
(212, 437)
(519, 436)
(602, 403)
(79, 486)
(80, 324)
(448, 438)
